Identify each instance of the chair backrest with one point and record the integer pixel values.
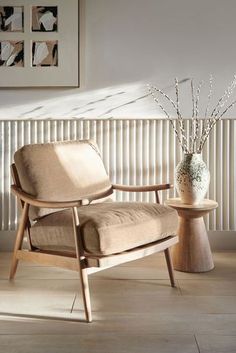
(65, 171)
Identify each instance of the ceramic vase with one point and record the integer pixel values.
(192, 179)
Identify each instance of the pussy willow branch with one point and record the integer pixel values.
(229, 93)
(207, 107)
(196, 116)
(153, 89)
(215, 116)
(223, 100)
(229, 107)
(172, 124)
(213, 123)
(192, 131)
(206, 134)
(198, 98)
(209, 95)
(179, 116)
(216, 111)
(177, 99)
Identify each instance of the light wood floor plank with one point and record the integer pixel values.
(216, 344)
(91, 343)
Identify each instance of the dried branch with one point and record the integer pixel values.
(179, 116)
(196, 117)
(192, 127)
(193, 99)
(223, 100)
(216, 112)
(189, 145)
(209, 95)
(153, 89)
(229, 107)
(207, 108)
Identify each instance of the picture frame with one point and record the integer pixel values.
(39, 43)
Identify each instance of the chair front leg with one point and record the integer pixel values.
(170, 267)
(19, 239)
(82, 271)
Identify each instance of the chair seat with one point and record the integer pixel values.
(106, 228)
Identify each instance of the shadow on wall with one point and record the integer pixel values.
(130, 100)
(116, 102)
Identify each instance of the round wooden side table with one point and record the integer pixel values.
(193, 252)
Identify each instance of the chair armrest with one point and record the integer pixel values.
(144, 188)
(43, 203)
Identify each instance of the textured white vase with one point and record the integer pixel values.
(192, 179)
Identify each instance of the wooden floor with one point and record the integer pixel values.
(134, 309)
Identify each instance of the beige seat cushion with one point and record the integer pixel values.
(106, 228)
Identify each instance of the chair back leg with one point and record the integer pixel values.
(19, 239)
(170, 267)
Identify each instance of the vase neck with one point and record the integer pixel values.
(192, 156)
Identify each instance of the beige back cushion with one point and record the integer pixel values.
(61, 171)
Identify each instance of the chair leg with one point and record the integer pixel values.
(170, 267)
(86, 294)
(19, 240)
(82, 271)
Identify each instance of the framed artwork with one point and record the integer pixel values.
(39, 43)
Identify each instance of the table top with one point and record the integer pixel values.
(205, 205)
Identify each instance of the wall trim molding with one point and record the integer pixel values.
(219, 240)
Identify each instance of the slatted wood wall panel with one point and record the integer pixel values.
(134, 152)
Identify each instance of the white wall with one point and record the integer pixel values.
(128, 43)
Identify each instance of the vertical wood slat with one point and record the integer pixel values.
(132, 157)
(134, 152)
(232, 171)
(2, 185)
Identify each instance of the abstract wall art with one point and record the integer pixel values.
(44, 18)
(11, 53)
(39, 43)
(11, 18)
(45, 53)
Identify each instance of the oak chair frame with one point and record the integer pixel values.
(82, 262)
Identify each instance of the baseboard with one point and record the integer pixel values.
(222, 240)
(219, 240)
(7, 239)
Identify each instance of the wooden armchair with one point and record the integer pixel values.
(70, 220)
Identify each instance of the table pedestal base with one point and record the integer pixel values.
(192, 253)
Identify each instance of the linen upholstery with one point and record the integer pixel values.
(61, 171)
(106, 228)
